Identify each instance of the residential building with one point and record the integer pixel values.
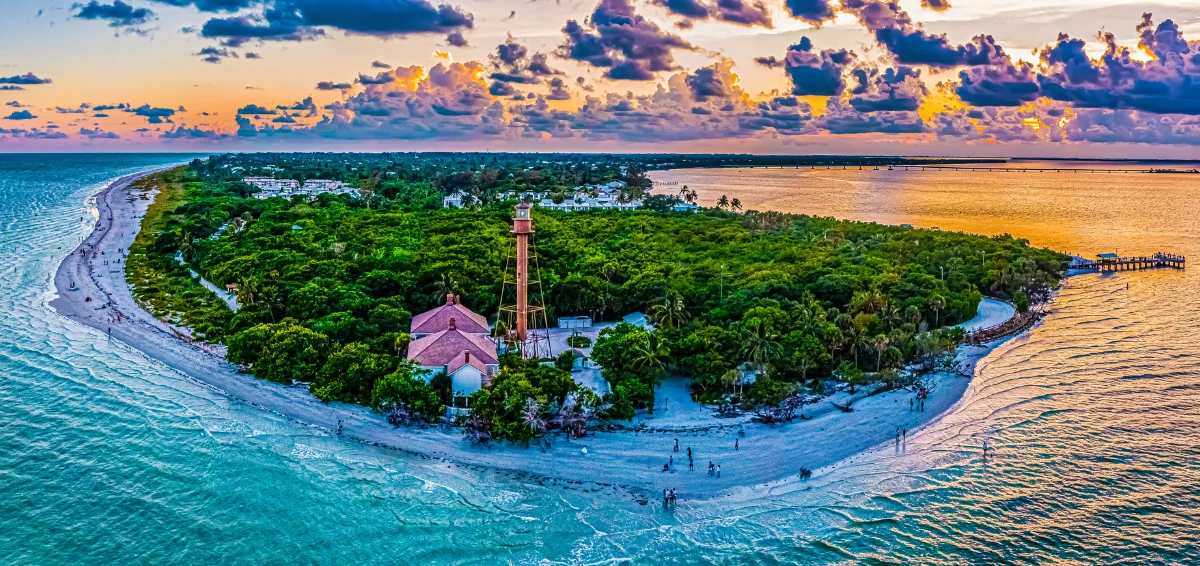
(454, 341)
(270, 187)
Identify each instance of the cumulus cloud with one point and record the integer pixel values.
(256, 110)
(742, 12)
(330, 85)
(936, 5)
(20, 115)
(300, 20)
(98, 134)
(212, 5)
(26, 79)
(893, 89)
(814, 12)
(380, 65)
(450, 101)
(707, 104)
(512, 63)
(307, 106)
(118, 14)
(215, 55)
(1165, 84)
(843, 118)
(816, 73)
(625, 43)
(911, 45)
(184, 132)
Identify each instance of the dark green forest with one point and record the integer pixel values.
(327, 288)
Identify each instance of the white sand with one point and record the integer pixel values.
(631, 459)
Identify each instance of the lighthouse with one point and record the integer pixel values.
(522, 313)
(522, 229)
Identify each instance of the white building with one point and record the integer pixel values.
(270, 187)
(585, 197)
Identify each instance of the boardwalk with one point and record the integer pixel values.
(1132, 263)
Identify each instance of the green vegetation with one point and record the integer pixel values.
(160, 283)
(327, 287)
(526, 399)
(579, 341)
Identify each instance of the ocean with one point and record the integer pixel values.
(109, 457)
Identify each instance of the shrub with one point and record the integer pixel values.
(579, 341)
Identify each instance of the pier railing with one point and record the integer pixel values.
(1133, 263)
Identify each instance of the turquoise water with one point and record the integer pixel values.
(108, 457)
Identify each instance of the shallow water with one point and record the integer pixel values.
(106, 456)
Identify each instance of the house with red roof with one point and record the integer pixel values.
(454, 341)
(437, 320)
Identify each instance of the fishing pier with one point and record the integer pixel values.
(1113, 262)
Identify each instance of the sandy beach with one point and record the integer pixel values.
(629, 460)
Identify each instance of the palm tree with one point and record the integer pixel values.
(247, 288)
(881, 346)
(735, 205)
(401, 342)
(759, 345)
(652, 354)
(723, 202)
(670, 313)
(912, 314)
(447, 286)
(937, 303)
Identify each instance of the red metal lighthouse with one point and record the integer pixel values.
(525, 324)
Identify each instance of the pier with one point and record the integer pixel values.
(1114, 263)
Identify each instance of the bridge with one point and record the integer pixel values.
(1131, 263)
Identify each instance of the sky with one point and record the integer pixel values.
(1019, 78)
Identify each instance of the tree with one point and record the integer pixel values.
(247, 290)
(284, 352)
(350, 374)
(735, 205)
(851, 375)
(406, 387)
(723, 202)
(670, 313)
(760, 344)
(937, 303)
(881, 346)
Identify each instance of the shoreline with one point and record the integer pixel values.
(629, 460)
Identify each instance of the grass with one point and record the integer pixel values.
(160, 284)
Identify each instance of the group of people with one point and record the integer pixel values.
(670, 497)
(918, 403)
(713, 469)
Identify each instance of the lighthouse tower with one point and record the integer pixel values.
(522, 315)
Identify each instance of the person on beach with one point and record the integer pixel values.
(339, 427)
(711, 468)
(677, 445)
(897, 436)
(666, 467)
(911, 404)
(671, 461)
(735, 445)
(666, 498)
(904, 434)
(718, 470)
(985, 449)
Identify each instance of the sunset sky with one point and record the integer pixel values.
(1071, 78)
